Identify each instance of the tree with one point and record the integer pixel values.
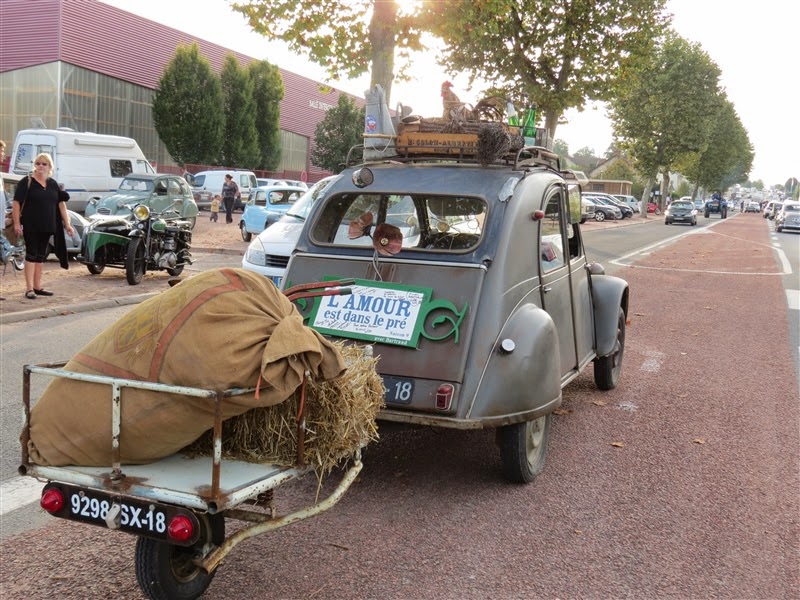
(586, 158)
(187, 108)
(558, 55)
(561, 148)
(664, 111)
(728, 157)
(340, 130)
(334, 34)
(623, 171)
(240, 138)
(268, 91)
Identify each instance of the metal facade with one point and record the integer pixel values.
(116, 43)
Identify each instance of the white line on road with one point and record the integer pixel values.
(793, 299)
(18, 492)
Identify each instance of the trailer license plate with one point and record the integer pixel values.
(399, 390)
(134, 516)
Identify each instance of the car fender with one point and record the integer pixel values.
(520, 377)
(608, 295)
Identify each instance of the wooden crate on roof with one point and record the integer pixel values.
(441, 136)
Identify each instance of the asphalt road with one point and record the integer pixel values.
(681, 483)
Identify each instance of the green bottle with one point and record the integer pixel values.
(529, 123)
(513, 119)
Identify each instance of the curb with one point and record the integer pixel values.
(43, 313)
(227, 251)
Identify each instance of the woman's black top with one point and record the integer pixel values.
(40, 211)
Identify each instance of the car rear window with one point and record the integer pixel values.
(425, 222)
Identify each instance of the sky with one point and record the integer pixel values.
(752, 43)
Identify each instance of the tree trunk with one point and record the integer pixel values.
(664, 188)
(645, 198)
(382, 30)
(551, 122)
(694, 191)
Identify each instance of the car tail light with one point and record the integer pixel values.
(180, 528)
(444, 396)
(52, 500)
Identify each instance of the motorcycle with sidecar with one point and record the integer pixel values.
(143, 241)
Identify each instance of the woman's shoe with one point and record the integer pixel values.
(30, 295)
(42, 292)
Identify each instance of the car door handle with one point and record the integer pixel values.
(547, 288)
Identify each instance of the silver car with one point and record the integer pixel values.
(476, 295)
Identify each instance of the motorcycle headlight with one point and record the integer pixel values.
(141, 212)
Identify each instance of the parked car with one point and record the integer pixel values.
(268, 254)
(263, 202)
(627, 211)
(587, 210)
(681, 211)
(631, 201)
(753, 207)
(79, 224)
(788, 217)
(603, 211)
(698, 204)
(157, 192)
(211, 181)
(481, 316)
(771, 209)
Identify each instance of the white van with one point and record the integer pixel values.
(212, 181)
(89, 165)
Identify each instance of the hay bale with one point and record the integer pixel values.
(340, 418)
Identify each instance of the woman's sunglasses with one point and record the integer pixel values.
(41, 164)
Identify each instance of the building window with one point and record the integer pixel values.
(294, 152)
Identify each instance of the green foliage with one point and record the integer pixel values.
(728, 158)
(664, 112)
(268, 91)
(187, 108)
(586, 158)
(340, 130)
(240, 146)
(334, 34)
(557, 54)
(561, 148)
(623, 171)
(684, 189)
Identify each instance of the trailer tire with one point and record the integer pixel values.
(166, 572)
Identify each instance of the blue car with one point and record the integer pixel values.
(265, 206)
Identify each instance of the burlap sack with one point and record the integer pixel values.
(217, 330)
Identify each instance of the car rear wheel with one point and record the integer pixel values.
(607, 368)
(599, 217)
(246, 235)
(523, 447)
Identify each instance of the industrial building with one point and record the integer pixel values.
(92, 67)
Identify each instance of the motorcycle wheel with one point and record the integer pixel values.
(95, 269)
(175, 271)
(134, 262)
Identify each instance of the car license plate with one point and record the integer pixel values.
(399, 390)
(277, 280)
(680, 218)
(149, 519)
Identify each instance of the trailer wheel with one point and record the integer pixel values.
(166, 572)
(95, 269)
(523, 447)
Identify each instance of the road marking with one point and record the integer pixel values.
(793, 299)
(18, 492)
(652, 363)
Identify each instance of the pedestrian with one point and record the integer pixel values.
(40, 211)
(230, 192)
(215, 208)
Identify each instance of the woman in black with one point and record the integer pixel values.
(39, 211)
(230, 191)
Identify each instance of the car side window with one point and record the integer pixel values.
(551, 240)
(120, 168)
(174, 188)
